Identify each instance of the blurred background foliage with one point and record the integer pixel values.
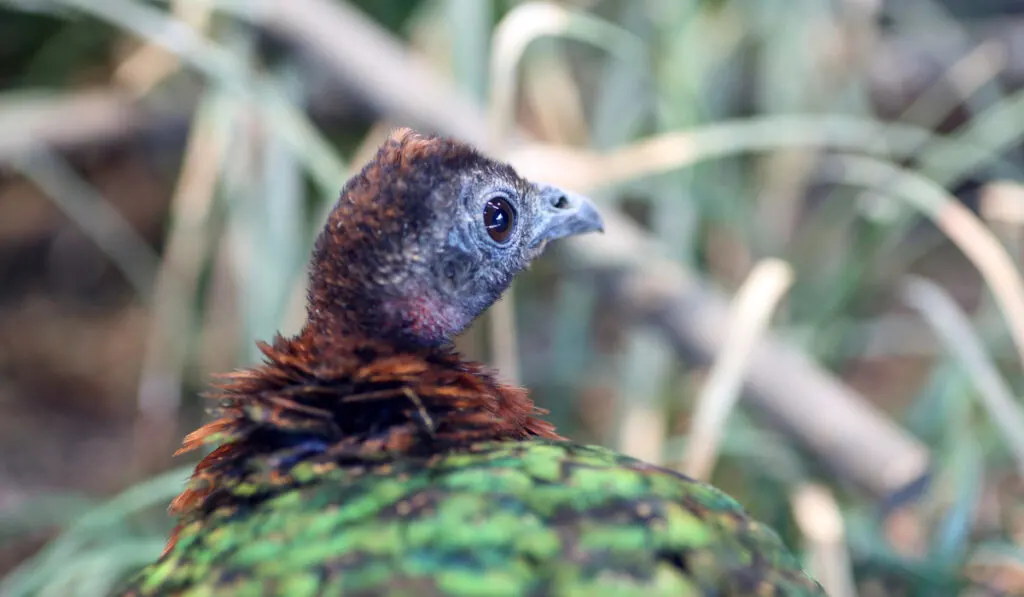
(164, 166)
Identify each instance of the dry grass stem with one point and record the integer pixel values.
(750, 314)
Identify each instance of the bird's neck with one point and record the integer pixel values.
(344, 401)
(417, 317)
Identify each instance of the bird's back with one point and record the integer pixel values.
(499, 519)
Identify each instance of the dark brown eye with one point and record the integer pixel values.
(499, 219)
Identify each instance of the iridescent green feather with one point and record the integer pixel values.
(502, 519)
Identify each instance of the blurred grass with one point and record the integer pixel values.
(752, 100)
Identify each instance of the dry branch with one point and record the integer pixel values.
(843, 429)
(364, 56)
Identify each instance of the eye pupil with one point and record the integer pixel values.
(499, 219)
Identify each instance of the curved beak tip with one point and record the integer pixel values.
(566, 214)
(587, 218)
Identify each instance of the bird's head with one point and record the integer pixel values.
(427, 236)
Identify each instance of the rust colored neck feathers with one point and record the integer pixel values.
(362, 398)
(352, 401)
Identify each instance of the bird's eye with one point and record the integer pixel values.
(499, 219)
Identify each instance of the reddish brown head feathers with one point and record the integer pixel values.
(426, 237)
(370, 272)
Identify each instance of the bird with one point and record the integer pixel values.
(364, 456)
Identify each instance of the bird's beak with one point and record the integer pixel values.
(564, 214)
